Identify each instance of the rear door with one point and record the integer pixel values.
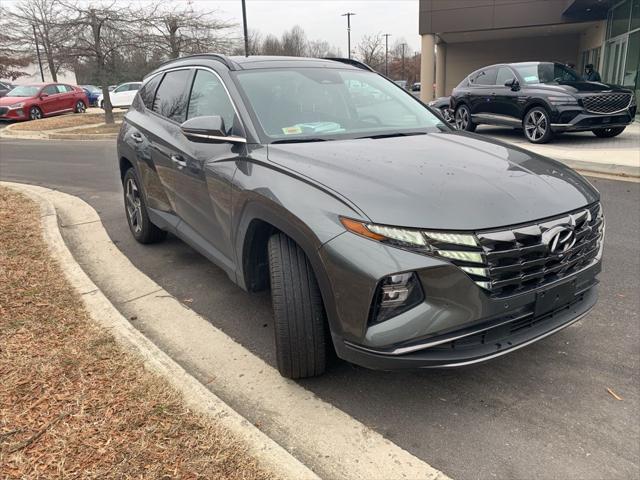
(67, 97)
(483, 90)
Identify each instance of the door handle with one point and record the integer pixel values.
(136, 137)
(179, 161)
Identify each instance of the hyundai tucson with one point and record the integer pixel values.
(382, 233)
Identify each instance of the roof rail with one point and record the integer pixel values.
(352, 62)
(226, 61)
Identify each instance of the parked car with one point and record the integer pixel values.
(93, 94)
(122, 96)
(37, 100)
(542, 98)
(380, 230)
(442, 104)
(5, 88)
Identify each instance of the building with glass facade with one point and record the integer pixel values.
(460, 36)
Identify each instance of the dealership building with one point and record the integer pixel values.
(460, 36)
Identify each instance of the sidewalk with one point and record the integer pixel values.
(583, 150)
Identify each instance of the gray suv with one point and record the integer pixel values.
(381, 232)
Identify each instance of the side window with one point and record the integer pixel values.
(50, 90)
(209, 97)
(122, 88)
(504, 74)
(486, 77)
(134, 87)
(149, 91)
(172, 95)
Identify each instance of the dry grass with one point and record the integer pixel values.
(72, 403)
(104, 128)
(64, 121)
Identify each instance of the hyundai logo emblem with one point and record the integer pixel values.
(560, 239)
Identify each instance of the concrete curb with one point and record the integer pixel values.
(323, 437)
(269, 454)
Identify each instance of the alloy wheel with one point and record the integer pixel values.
(134, 205)
(35, 113)
(535, 126)
(462, 118)
(80, 107)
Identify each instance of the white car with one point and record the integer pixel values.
(122, 96)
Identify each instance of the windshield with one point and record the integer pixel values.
(546, 72)
(24, 91)
(325, 104)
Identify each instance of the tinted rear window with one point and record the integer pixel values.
(148, 92)
(172, 95)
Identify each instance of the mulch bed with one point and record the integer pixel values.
(64, 121)
(72, 403)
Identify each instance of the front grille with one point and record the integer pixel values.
(511, 261)
(606, 103)
(3, 110)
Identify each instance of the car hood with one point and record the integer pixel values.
(451, 181)
(580, 87)
(6, 101)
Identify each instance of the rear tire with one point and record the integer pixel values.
(135, 208)
(299, 316)
(80, 107)
(463, 120)
(609, 132)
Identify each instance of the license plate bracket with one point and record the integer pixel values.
(555, 297)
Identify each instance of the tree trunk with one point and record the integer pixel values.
(96, 29)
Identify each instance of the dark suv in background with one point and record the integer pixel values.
(379, 229)
(542, 98)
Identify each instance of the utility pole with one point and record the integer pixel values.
(386, 53)
(404, 77)
(348, 15)
(35, 37)
(244, 24)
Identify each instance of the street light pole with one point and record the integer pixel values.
(348, 15)
(386, 53)
(404, 77)
(244, 24)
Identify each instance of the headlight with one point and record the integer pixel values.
(633, 100)
(562, 100)
(16, 105)
(431, 103)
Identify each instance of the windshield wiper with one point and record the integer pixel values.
(391, 135)
(301, 140)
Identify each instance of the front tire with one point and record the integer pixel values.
(609, 132)
(537, 125)
(35, 113)
(136, 210)
(463, 119)
(299, 316)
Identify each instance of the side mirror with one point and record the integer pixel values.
(208, 129)
(44, 95)
(512, 83)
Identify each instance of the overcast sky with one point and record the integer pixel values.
(321, 20)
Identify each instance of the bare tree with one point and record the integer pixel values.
(371, 50)
(12, 61)
(321, 49)
(183, 30)
(46, 20)
(294, 42)
(103, 31)
(271, 46)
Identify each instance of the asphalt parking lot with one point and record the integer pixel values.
(542, 412)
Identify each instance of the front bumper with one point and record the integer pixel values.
(570, 119)
(13, 114)
(457, 324)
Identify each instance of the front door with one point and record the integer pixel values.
(51, 102)
(205, 170)
(505, 104)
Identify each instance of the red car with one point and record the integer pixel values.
(37, 100)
